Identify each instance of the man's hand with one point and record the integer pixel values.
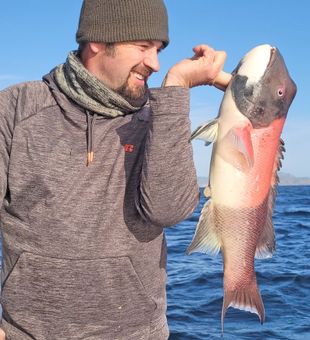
(201, 69)
(2, 335)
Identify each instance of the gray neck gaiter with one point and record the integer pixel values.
(89, 92)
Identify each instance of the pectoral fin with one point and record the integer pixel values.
(240, 139)
(206, 132)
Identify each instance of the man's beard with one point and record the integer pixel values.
(136, 96)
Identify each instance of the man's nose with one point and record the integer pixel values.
(151, 60)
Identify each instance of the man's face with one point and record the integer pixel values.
(126, 67)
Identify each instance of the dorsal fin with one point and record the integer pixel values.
(266, 243)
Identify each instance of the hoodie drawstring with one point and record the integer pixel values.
(91, 120)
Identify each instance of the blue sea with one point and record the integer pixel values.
(195, 281)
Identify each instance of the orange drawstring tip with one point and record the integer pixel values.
(90, 157)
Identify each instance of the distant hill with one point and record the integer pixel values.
(288, 179)
(285, 179)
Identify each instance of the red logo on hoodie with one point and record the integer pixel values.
(129, 147)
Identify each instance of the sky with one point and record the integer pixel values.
(37, 35)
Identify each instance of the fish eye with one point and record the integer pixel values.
(280, 92)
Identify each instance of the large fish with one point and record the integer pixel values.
(247, 152)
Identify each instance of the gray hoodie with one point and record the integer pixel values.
(84, 253)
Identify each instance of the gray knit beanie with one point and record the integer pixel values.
(110, 21)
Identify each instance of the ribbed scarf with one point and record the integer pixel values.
(88, 91)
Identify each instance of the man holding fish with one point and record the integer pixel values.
(90, 176)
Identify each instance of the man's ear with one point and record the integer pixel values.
(96, 47)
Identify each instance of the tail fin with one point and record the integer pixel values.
(247, 298)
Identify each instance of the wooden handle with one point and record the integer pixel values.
(222, 80)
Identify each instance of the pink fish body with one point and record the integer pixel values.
(247, 152)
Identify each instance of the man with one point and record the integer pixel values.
(93, 166)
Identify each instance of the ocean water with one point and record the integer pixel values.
(195, 282)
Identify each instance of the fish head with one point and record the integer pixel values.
(262, 87)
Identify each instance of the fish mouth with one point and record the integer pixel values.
(273, 56)
(235, 70)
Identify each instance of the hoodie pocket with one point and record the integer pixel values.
(76, 299)
(13, 333)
